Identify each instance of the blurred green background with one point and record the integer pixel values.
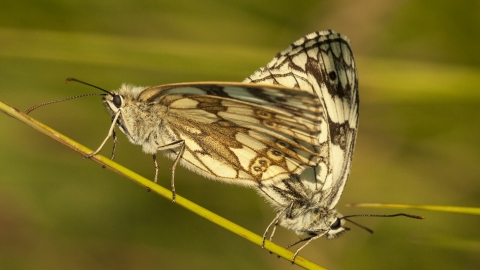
(418, 143)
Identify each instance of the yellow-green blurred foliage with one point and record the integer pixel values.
(418, 142)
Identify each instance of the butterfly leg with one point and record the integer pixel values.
(275, 224)
(115, 142)
(181, 144)
(273, 232)
(288, 214)
(110, 133)
(309, 239)
(156, 167)
(274, 229)
(180, 154)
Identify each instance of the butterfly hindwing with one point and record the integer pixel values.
(241, 133)
(322, 63)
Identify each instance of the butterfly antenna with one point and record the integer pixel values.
(60, 100)
(65, 99)
(91, 85)
(394, 215)
(367, 215)
(359, 225)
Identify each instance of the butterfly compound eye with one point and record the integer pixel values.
(117, 101)
(335, 225)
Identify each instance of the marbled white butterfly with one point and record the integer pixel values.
(320, 63)
(245, 134)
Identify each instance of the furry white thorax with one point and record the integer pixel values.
(128, 90)
(139, 120)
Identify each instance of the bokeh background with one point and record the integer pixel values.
(418, 142)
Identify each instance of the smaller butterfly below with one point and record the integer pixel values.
(320, 63)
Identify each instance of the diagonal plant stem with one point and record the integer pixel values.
(111, 165)
(438, 208)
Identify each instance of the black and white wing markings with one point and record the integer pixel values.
(240, 133)
(322, 63)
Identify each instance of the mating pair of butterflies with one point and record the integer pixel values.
(288, 130)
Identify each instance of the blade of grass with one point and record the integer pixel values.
(111, 165)
(439, 208)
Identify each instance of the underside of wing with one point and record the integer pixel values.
(322, 63)
(242, 133)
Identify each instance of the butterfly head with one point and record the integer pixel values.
(115, 103)
(117, 99)
(336, 225)
(124, 106)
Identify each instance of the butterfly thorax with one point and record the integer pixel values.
(303, 209)
(140, 120)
